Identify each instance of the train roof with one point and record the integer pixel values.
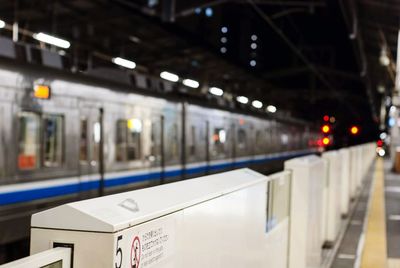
(32, 71)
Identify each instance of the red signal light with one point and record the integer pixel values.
(326, 118)
(326, 141)
(379, 143)
(326, 128)
(354, 130)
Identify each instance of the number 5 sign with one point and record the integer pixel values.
(119, 253)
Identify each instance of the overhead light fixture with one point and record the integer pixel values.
(271, 108)
(209, 12)
(242, 99)
(257, 104)
(216, 91)
(383, 58)
(134, 39)
(124, 63)
(52, 40)
(191, 83)
(2, 24)
(381, 88)
(169, 76)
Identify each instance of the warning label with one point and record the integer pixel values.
(135, 252)
(152, 244)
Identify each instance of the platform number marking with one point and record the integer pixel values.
(118, 254)
(135, 253)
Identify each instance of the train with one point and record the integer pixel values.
(66, 137)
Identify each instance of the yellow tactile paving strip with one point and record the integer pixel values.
(375, 254)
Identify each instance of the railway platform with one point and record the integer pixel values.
(372, 238)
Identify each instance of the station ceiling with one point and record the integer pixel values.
(310, 57)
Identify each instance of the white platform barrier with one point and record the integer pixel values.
(344, 158)
(325, 199)
(51, 258)
(305, 249)
(333, 185)
(233, 219)
(359, 164)
(354, 172)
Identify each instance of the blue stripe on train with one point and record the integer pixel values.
(40, 193)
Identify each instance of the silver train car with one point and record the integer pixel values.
(64, 137)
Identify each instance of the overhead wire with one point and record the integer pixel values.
(296, 51)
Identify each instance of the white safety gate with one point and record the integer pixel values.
(234, 219)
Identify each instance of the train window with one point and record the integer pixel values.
(219, 138)
(174, 141)
(96, 142)
(29, 141)
(192, 146)
(155, 139)
(241, 138)
(83, 142)
(284, 139)
(128, 140)
(53, 140)
(259, 141)
(134, 131)
(121, 140)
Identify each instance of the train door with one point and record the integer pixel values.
(91, 160)
(196, 146)
(220, 142)
(155, 158)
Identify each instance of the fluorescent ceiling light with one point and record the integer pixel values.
(216, 91)
(52, 40)
(257, 104)
(191, 83)
(124, 63)
(242, 99)
(271, 108)
(169, 76)
(2, 24)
